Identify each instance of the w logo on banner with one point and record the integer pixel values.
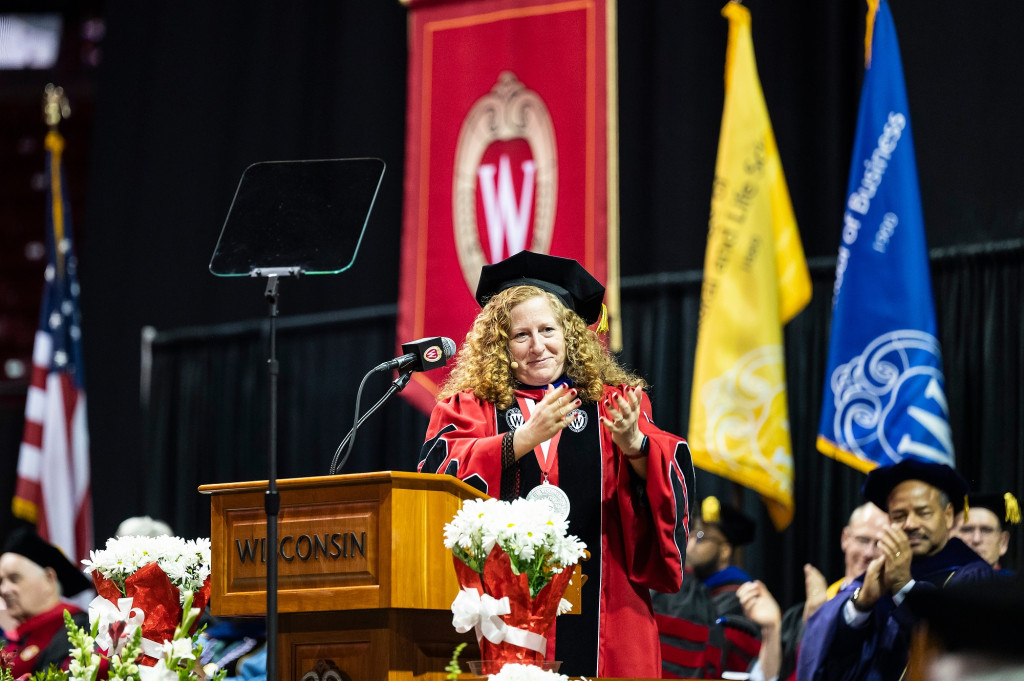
(884, 395)
(507, 217)
(506, 178)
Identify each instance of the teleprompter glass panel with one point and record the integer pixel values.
(297, 217)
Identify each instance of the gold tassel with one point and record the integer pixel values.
(602, 321)
(967, 509)
(1012, 509)
(710, 510)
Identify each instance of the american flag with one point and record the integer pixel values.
(53, 464)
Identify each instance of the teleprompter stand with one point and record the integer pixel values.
(290, 218)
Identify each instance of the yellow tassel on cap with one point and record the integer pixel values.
(1012, 509)
(710, 510)
(967, 509)
(602, 321)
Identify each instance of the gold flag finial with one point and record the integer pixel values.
(55, 105)
(710, 510)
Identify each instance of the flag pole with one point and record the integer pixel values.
(56, 108)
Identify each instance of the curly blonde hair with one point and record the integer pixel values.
(483, 363)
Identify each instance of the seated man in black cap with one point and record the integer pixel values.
(702, 628)
(720, 530)
(985, 526)
(867, 636)
(34, 576)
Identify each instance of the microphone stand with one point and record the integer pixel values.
(396, 386)
(272, 502)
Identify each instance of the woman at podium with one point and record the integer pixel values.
(535, 406)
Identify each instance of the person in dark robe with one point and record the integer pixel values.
(867, 634)
(702, 627)
(859, 542)
(718, 533)
(34, 577)
(985, 526)
(535, 399)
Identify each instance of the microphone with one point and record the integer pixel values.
(421, 355)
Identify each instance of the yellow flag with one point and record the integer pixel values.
(755, 280)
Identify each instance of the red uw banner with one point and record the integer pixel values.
(508, 148)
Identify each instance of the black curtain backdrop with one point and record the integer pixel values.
(190, 93)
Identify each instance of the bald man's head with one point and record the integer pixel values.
(859, 538)
(28, 589)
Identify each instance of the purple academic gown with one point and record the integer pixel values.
(833, 650)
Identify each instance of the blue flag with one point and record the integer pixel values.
(884, 394)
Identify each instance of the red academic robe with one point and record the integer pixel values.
(41, 640)
(636, 530)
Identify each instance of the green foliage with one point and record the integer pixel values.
(180, 654)
(85, 663)
(453, 666)
(53, 673)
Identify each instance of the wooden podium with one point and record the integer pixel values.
(365, 584)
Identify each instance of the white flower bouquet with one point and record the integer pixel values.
(536, 541)
(526, 672)
(186, 562)
(513, 560)
(146, 581)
